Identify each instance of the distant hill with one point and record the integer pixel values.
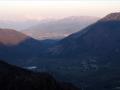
(57, 29)
(11, 37)
(18, 46)
(15, 78)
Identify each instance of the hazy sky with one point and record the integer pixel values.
(38, 9)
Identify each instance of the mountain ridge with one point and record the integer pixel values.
(112, 17)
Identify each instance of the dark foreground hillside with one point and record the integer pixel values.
(14, 78)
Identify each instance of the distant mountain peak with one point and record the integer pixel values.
(112, 17)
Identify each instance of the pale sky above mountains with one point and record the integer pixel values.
(42, 9)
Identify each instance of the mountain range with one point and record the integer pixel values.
(88, 58)
(58, 29)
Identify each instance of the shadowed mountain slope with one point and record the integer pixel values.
(15, 78)
(96, 49)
